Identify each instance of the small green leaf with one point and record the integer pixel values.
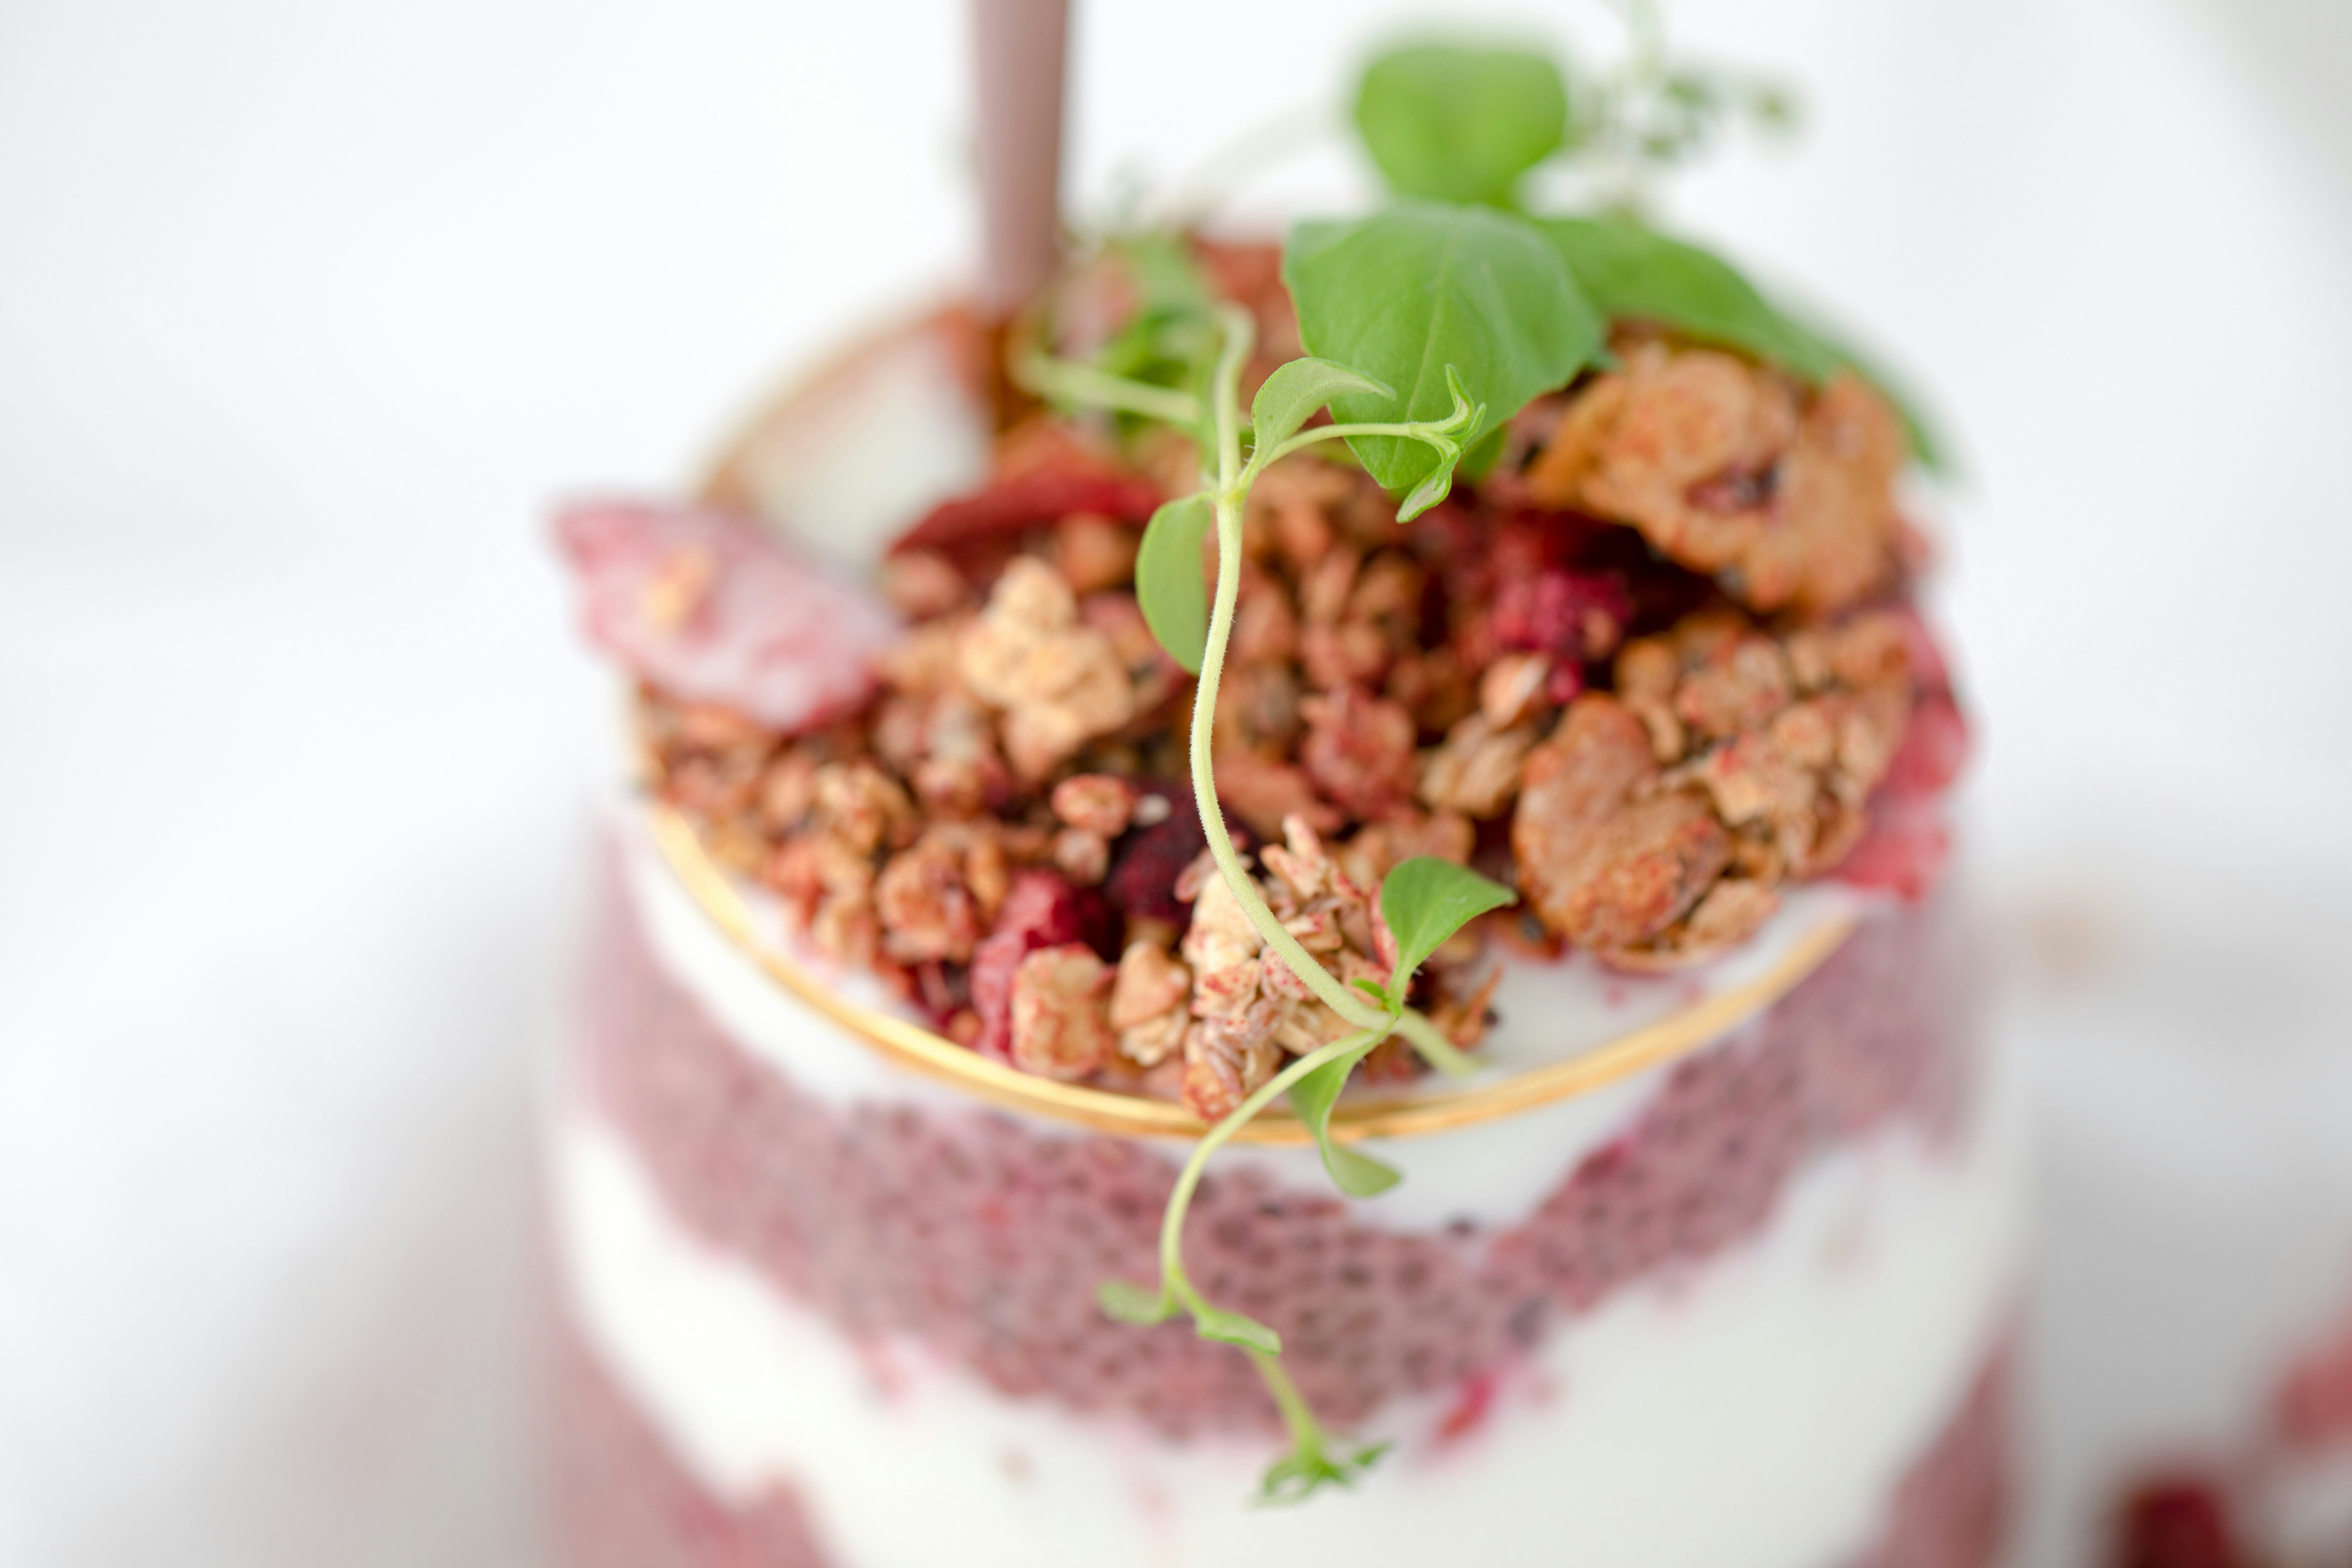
(1237, 1328)
(1425, 900)
(1357, 1174)
(1134, 1304)
(1171, 581)
(1422, 288)
(1293, 394)
(1373, 989)
(1299, 1474)
(1461, 124)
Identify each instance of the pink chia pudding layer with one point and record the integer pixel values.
(1791, 1252)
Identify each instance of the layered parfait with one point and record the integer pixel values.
(1310, 868)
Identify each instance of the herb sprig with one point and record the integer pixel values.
(1428, 325)
(1424, 900)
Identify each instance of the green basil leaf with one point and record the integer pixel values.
(1461, 124)
(1295, 391)
(1409, 293)
(1237, 1328)
(1834, 350)
(1134, 1304)
(1358, 1175)
(1425, 900)
(1632, 272)
(1171, 584)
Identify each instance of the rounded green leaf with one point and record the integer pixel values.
(1425, 900)
(1295, 392)
(1171, 583)
(1355, 1174)
(1461, 124)
(1408, 293)
(1237, 1328)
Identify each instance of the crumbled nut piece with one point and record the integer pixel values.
(1150, 1003)
(1512, 689)
(1082, 856)
(1477, 771)
(926, 911)
(1094, 553)
(1247, 1003)
(926, 660)
(1359, 749)
(1060, 683)
(788, 789)
(1262, 792)
(922, 584)
(862, 805)
(1295, 505)
(1265, 627)
(1741, 685)
(1222, 1069)
(987, 874)
(1101, 804)
(1374, 851)
(1733, 911)
(1601, 862)
(1061, 1013)
(1724, 467)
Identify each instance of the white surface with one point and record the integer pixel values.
(1790, 1381)
(306, 310)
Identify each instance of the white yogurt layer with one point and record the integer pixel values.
(1753, 1414)
(1494, 1173)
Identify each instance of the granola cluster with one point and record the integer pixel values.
(1651, 670)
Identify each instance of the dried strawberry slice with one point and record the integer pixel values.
(1040, 911)
(1034, 499)
(708, 608)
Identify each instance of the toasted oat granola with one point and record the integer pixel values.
(1650, 729)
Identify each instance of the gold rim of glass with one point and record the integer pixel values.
(932, 1054)
(911, 1045)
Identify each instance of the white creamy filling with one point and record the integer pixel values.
(1493, 1174)
(1755, 1412)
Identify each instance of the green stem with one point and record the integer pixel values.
(1180, 1200)
(1430, 431)
(1354, 1006)
(1439, 1052)
(1064, 381)
(1306, 1432)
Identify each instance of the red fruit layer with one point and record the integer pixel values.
(622, 1501)
(986, 1241)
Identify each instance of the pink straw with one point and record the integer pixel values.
(1017, 53)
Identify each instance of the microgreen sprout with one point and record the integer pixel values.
(1424, 900)
(1428, 324)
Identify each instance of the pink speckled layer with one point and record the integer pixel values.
(622, 1501)
(986, 1241)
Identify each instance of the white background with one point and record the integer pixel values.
(307, 311)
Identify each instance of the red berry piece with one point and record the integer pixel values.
(708, 608)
